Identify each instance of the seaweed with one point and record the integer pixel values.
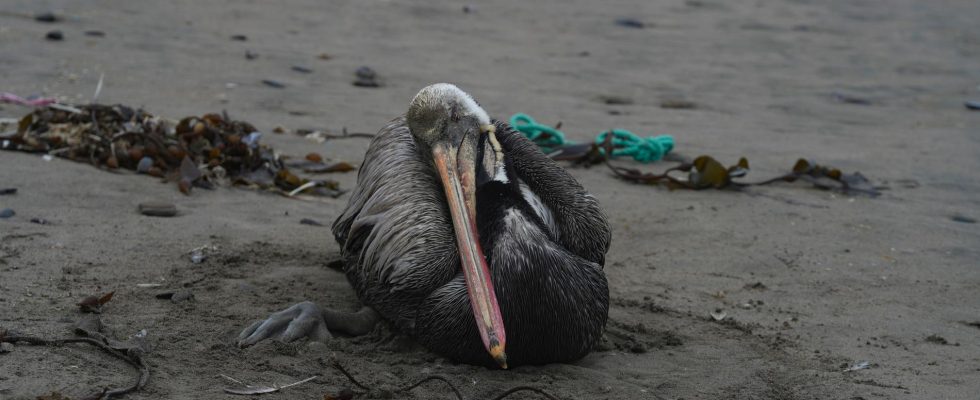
(706, 172)
(196, 151)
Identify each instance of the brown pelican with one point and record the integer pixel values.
(465, 236)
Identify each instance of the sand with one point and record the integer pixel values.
(810, 281)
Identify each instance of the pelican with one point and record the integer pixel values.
(464, 236)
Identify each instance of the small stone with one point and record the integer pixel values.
(7, 213)
(158, 209)
(48, 17)
(972, 105)
(852, 99)
(616, 100)
(240, 38)
(630, 23)
(6, 347)
(249, 55)
(301, 69)
(366, 72)
(181, 296)
(963, 219)
(937, 340)
(40, 221)
(95, 33)
(55, 36)
(272, 83)
(366, 77)
(8, 191)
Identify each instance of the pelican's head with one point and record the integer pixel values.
(444, 112)
(450, 126)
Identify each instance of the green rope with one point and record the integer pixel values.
(625, 143)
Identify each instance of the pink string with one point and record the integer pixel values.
(15, 99)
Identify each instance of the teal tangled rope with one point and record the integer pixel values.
(625, 143)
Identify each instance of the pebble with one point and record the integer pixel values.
(7, 213)
(183, 295)
(365, 72)
(616, 100)
(8, 191)
(158, 209)
(972, 104)
(6, 347)
(272, 83)
(851, 99)
(302, 69)
(240, 38)
(630, 23)
(55, 36)
(366, 77)
(46, 17)
(40, 221)
(250, 55)
(963, 219)
(95, 33)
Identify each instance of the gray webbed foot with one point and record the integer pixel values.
(301, 320)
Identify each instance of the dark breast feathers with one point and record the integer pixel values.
(400, 252)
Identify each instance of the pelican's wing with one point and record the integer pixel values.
(580, 225)
(395, 234)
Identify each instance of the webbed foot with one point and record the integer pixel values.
(307, 320)
(301, 320)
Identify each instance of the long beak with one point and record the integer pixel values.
(457, 169)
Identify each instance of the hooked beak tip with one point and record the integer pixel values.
(498, 354)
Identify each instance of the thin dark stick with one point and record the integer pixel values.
(349, 376)
(459, 395)
(434, 378)
(522, 389)
(130, 357)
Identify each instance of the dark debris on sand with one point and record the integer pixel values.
(203, 151)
